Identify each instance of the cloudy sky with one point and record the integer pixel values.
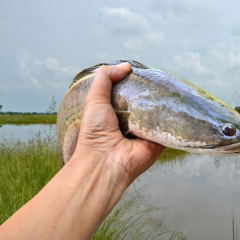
(44, 44)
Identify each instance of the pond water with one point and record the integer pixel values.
(199, 194)
(196, 194)
(25, 131)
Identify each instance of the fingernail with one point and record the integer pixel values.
(124, 64)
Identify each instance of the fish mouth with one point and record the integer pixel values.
(231, 149)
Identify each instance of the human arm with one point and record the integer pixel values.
(76, 201)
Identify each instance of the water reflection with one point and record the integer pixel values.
(26, 131)
(232, 164)
(199, 198)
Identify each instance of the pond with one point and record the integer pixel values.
(194, 194)
(25, 131)
(199, 194)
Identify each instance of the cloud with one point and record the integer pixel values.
(233, 60)
(157, 38)
(126, 17)
(134, 45)
(224, 60)
(168, 8)
(132, 31)
(189, 62)
(38, 75)
(26, 80)
(102, 55)
(51, 64)
(221, 83)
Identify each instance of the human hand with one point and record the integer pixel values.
(100, 133)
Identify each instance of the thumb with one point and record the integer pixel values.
(103, 79)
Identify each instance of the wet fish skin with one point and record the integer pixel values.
(157, 106)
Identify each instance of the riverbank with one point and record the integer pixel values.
(28, 119)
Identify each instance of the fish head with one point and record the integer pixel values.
(187, 121)
(224, 128)
(203, 123)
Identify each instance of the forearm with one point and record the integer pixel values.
(72, 205)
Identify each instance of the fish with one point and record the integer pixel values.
(158, 106)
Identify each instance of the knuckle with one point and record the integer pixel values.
(102, 69)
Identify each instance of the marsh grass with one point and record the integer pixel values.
(28, 119)
(25, 167)
(133, 219)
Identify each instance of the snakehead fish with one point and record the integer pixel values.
(158, 106)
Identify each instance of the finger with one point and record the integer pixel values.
(104, 77)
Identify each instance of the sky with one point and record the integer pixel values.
(44, 44)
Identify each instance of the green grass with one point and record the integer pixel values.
(133, 219)
(171, 154)
(28, 119)
(25, 167)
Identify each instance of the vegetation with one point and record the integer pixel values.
(28, 118)
(130, 220)
(52, 106)
(237, 109)
(171, 155)
(24, 169)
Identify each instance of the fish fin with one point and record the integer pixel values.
(92, 69)
(123, 121)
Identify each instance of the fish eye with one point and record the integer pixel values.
(229, 130)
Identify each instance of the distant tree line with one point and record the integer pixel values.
(28, 113)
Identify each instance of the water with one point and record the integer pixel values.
(197, 193)
(26, 131)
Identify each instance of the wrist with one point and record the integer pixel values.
(104, 175)
(109, 163)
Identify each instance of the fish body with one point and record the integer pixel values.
(158, 106)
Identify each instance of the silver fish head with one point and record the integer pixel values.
(218, 125)
(224, 126)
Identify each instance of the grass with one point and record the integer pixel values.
(28, 119)
(234, 228)
(133, 219)
(25, 167)
(171, 154)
